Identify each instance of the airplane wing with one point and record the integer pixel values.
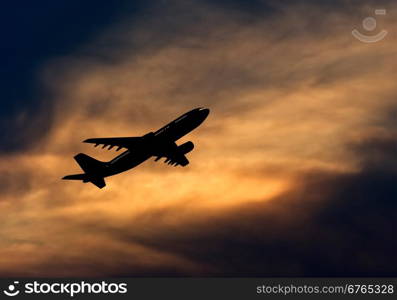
(175, 160)
(174, 154)
(119, 142)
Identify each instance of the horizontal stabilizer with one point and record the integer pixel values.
(98, 181)
(75, 177)
(93, 170)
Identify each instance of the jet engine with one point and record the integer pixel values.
(186, 147)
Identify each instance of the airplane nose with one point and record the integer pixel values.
(204, 112)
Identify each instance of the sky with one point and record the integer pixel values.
(293, 173)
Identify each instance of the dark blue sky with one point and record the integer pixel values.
(33, 32)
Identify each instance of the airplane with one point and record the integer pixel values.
(161, 143)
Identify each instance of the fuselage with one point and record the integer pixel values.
(166, 135)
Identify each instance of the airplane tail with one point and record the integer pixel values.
(92, 169)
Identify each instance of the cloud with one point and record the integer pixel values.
(292, 173)
(307, 231)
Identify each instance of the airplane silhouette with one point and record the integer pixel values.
(160, 143)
